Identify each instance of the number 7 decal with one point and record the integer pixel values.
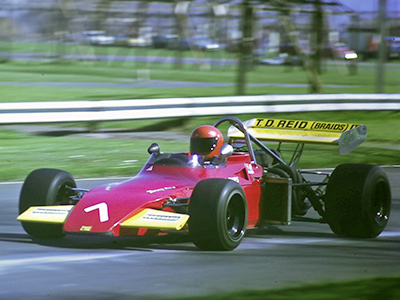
(103, 211)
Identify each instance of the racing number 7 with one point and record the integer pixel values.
(103, 211)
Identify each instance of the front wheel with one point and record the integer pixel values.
(45, 187)
(218, 214)
(358, 200)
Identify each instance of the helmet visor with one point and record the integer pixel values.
(203, 146)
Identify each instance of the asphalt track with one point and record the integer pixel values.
(137, 268)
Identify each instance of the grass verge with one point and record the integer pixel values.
(366, 289)
(35, 76)
(101, 155)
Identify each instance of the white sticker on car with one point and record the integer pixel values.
(103, 211)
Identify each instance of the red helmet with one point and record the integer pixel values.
(206, 140)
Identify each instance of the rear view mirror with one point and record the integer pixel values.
(226, 150)
(154, 149)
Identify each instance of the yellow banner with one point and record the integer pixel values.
(302, 125)
(347, 136)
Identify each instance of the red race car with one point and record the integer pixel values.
(218, 190)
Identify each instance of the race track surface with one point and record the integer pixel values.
(137, 268)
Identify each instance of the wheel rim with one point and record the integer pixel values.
(235, 218)
(381, 203)
(64, 194)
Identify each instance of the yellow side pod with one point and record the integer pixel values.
(347, 136)
(46, 214)
(152, 218)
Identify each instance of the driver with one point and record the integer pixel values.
(206, 141)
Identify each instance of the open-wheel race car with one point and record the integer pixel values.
(217, 190)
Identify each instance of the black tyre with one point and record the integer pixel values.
(44, 187)
(358, 200)
(218, 214)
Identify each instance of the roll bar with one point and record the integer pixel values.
(249, 138)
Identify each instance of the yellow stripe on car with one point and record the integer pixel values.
(151, 218)
(46, 214)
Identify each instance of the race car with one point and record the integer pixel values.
(220, 188)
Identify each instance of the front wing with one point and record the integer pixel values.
(147, 218)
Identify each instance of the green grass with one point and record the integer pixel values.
(56, 70)
(81, 72)
(20, 154)
(63, 49)
(86, 157)
(367, 289)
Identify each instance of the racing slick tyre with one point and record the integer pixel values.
(218, 214)
(358, 200)
(299, 206)
(44, 187)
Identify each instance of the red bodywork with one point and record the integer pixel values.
(151, 188)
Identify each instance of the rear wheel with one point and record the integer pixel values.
(44, 187)
(358, 200)
(218, 214)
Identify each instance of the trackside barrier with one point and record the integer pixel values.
(119, 110)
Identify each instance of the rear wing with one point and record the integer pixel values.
(347, 136)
